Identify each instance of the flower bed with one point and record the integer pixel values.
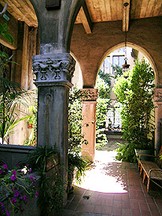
(16, 187)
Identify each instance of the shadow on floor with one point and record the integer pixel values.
(113, 188)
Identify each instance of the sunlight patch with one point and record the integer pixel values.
(102, 183)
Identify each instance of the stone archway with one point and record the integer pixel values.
(136, 47)
(54, 66)
(90, 49)
(90, 148)
(157, 94)
(147, 55)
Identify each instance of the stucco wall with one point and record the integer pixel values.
(90, 49)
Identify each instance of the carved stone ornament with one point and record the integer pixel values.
(89, 94)
(53, 68)
(158, 95)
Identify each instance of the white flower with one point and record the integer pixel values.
(24, 170)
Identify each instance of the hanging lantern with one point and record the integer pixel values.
(125, 66)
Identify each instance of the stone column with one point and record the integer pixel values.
(53, 78)
(158, 118)
(89, 122)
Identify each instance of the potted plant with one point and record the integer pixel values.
(76, 170)
(44, 161)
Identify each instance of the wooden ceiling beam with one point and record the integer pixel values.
(126, 14)
(20, 10)
(85, 18)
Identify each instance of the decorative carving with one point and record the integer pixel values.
(48, 98)
(158, 95)
(50, 68)
(89, 94)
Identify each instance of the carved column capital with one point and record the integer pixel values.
(50, 69)
(158, 96)
(89, 94)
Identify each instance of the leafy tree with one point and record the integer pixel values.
(117, 70)
(102, 105)
(101, 112)
(103, 88)
(134, 90)
(76, 139)
(105, 77)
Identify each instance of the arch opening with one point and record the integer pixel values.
(136, 47)
(112, 124)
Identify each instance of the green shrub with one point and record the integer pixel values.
(103, 101)
(125, 152)
(134, 91)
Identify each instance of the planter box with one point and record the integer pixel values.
(14, 154)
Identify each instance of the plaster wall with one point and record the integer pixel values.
(90, 49)
(89, 129)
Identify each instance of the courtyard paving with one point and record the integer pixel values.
(113, 188)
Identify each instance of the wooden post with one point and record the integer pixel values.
(25, 59)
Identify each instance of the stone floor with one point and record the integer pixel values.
(112, 188)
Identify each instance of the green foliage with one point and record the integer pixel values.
(101, 141)
(134, 90)
(16, 187)
(76, 138)
(44, 161)
(38, 158)
(31, 118)
(103, 86)
(117, 71)
(11, 94)
(125, 152)
(101, 113)
(4, 32)
(77, 163)
(105, 77)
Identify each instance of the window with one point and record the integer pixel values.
(106, 67)
(118, 60)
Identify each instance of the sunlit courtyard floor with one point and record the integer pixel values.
(113, 188)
